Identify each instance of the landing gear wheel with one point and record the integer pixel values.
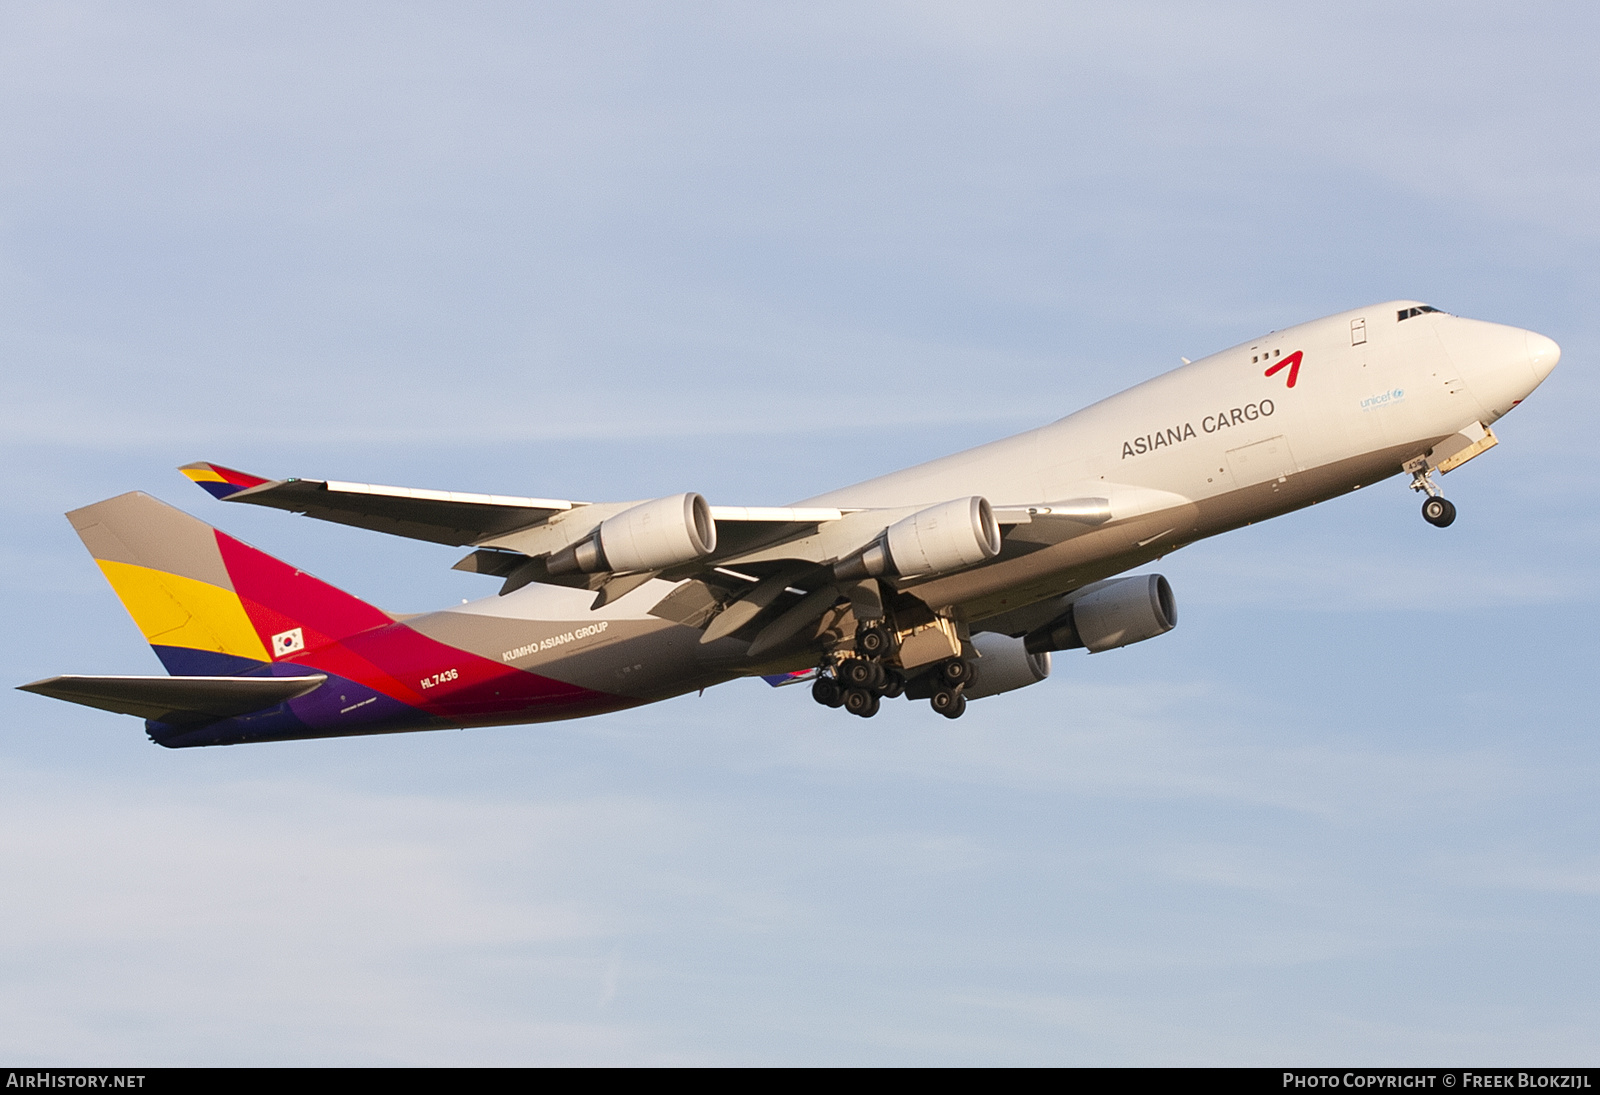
(826, 692)
(948, 702)
(894, 683)
(1438, 512)
(956, 671)
(858, 701)
(872, 641)
(860, 673)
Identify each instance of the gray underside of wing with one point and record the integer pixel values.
(177, 701)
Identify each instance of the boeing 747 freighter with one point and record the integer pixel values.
(946, 582)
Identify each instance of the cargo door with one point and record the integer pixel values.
(1264, 461)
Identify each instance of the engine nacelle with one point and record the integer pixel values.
(941, 538)
(1005, 664)
(650, 536)
(1111, 614)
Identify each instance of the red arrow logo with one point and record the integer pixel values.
(1293, 361)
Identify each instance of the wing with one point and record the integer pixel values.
(492, 520)
(443, 517)
(774, 562)
(515, 536)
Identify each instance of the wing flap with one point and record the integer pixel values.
(177, 701)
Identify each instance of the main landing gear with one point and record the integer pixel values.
(1437, 510)
(857, 685)
(950, 679)
(860, 682)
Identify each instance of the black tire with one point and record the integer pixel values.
(955, 672)
(1438, 512)
(894, 683)
(858, 701)
(944, 700)
(858, 673)
(957, 709)
(872, 641)
(825, 690)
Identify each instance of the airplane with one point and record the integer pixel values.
(949, 582)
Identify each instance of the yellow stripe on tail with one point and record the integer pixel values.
(172, 610)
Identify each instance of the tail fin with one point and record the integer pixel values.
(207, 603)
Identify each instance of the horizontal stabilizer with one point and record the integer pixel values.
(778, 680)
(177, 701)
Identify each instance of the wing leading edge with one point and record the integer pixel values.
(523, 540)
(442, 517)
(460, 518)
(507, 530)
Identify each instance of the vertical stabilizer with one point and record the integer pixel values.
(206, 602)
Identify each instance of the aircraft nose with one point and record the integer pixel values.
(1543, 353)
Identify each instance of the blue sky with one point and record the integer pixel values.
(1344, 813)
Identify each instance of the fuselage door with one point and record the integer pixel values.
(1358, 332)
(1262, 462)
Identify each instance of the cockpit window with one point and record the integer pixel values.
(1407, 313)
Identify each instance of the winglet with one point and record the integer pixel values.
(219, 481)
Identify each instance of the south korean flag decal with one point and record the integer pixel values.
(285, 643)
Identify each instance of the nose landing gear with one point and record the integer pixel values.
(1437, 510)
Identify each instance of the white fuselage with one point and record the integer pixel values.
(1404, 383)
(1236, 437)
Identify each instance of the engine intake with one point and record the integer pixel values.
(942, 538)
(1109, 615)
(650, 536)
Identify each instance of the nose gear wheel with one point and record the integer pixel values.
(1437, 510)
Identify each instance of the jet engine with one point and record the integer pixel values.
(941, 538)
(650, 536)
(1005, 664)
(1109, 615)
